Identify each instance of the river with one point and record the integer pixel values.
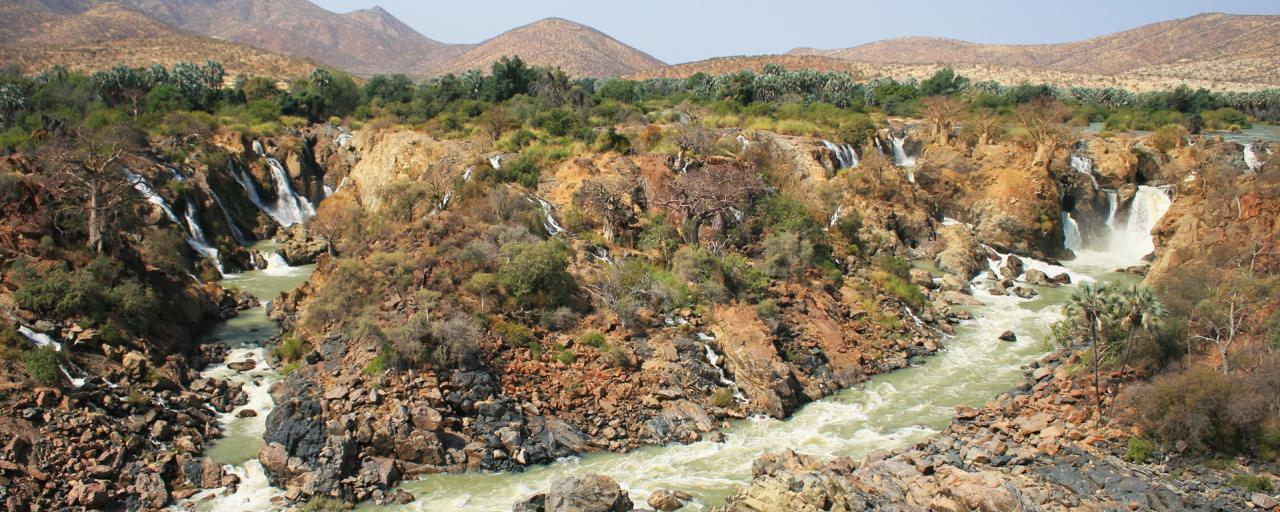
(887, 412)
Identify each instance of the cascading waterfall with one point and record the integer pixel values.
(495, 162)
(290, 208)
(1071, 233)
(197, 239)
(548, 216)
(231, 223)
(879, 146)
(845, 154)
(714, 359)
(1125, 242)
(900, 157)
(744, 142)
(835, 217)
(195, 234)
(150, 194)
(41, 340)
(1084, 165)
(1251, 159)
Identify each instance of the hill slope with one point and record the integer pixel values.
(1210, 47)
(109, 34)
(577, 49)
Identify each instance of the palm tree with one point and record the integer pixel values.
(1141, 310)
(1091, 304)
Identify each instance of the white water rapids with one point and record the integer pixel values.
(888, 412)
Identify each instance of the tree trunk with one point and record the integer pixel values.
(1097, 367)
(691, 228)
(95, 218)
(609, 233)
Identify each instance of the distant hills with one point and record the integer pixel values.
(288, 37)
(1207, 47)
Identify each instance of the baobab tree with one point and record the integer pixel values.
(1042, 120)
(86, 171)
(610, 197)
(691, 138)
(708, 191)
(942, 112)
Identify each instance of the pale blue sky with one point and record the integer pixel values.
(684, 30)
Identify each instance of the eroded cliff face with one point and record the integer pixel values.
(395, 158)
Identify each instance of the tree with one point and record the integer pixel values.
(88, 174)
(1042, 119)
(942, 112)
(1220, 318)
(708, 191)
(1089, 306)
(495, 122)
(609, 197)
(535, 274)
(691, 137)
(944, 82)
(334, 218)
(985, 123)
(509, 76)
(1140, 310)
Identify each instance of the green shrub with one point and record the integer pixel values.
(523, 170)
(1252, 483)
(722, 397)
(1168, 137)
(566, 357)
(1211, 412)
(291, 348)
(595, 340)
(786, 255)
(896, 286)
(512, 334)
(43, 365)
(1139, 450)
(536, 276)
(377, 365)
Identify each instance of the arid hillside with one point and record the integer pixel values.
(1210, 47)
(1135, 81)
(112, 34)
(577, 49)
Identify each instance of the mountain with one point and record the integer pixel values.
(1210, 47)
(577, 49)
(47, 34)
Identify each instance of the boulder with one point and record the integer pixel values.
(1264, 501)
(1008, 336)
(666, 501)
(587, 493)
(1039, 278)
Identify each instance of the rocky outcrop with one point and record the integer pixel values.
(391, 158)
(751, 357)
(585, 493)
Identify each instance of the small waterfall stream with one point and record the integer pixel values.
(900, 156)
(1251, 159)
(1083, 165)
(714, 359)
(845, 155)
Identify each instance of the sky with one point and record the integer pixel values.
(686, 30)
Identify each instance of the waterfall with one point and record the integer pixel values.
(879, 146)
(466, 174)
(1071, 233)
(900, 157)
(290, 208)
(342, 139)
(495, 161)
(276, 265)
(150, 194)
(714, 359)
(1251, 159)
(744, 142)
(845, 155)
(835, 217)
(1127, 241)
(257, 148)
(197, 239)
(231, 223)
(548, 216)
(1084, 165)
